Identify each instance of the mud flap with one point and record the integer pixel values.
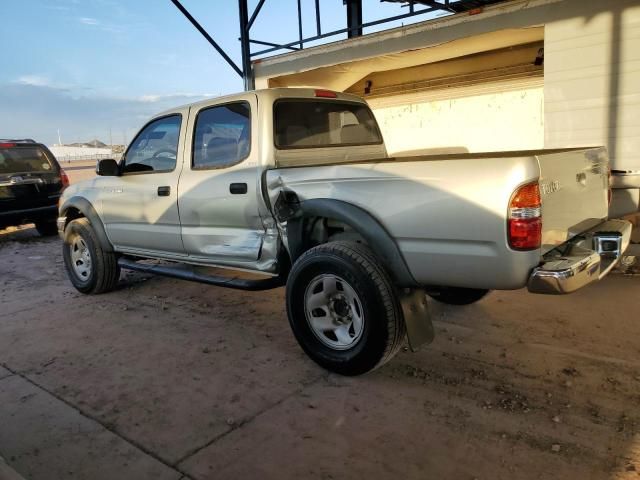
(417, 317)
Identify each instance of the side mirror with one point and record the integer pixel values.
(107, 168)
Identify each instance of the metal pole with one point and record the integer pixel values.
(204, 33)
(255, 14)
(300, 24)
(318, 26)
(354, 18)
(247, 71)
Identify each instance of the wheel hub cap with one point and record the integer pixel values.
(80, 258)
(334, 311)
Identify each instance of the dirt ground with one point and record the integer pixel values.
(165, 379)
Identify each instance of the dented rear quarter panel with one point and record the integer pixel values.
(448, 216)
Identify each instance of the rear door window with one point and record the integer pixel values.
(320, 123)
(222, 136)
(24, 160)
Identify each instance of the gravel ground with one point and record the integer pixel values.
(169, 379)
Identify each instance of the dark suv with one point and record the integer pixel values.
(31, 182)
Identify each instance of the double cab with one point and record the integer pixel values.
(295, 187)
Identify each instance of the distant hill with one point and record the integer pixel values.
(93, 144)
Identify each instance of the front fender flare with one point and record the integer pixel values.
(376, 236)
(85, 207)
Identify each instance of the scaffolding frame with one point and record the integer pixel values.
(355, 26)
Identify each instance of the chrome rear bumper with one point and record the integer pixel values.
(584, 259)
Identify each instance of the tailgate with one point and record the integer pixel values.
(574, 188)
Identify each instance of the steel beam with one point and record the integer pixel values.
(245, 47)
(354, 18)
(346, 30)
(204, 33)
(270, 44)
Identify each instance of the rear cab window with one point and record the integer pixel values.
(24, 159)
(302, 123)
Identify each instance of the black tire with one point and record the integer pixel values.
(47, 228)
(457, 295)
(103, 270)
(383, 329)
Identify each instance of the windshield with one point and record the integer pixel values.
(23, 159)
(319, 123)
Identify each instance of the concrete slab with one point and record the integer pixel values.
(43, 437)
(171, 372)
(8, 473)
(4, 373)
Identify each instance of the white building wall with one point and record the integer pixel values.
(592, 81)
(490, 117)
(70, 153)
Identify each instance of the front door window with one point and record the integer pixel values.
(155, 148)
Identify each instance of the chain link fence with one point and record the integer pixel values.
(86, 158)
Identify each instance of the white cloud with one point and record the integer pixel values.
(88, 21)
(158, 98)
(35, 80)
(31, 109)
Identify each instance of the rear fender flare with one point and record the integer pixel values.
(376, 236)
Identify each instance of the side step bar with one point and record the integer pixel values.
(187, 274)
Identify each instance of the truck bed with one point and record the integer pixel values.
(448, 212)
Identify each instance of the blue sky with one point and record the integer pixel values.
(90, 66)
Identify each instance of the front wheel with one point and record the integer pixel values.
(343, 309)
(90, 268)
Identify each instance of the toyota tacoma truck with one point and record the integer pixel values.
(296, 185)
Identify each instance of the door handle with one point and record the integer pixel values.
(238, 188)
(164, 191)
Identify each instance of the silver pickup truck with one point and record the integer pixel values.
(296, 185)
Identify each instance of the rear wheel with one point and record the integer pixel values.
(457, 295)
(343, 308)
(90, 268)
(47, 228)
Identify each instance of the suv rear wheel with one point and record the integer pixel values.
(46, 228)
(90, 268)
(343, 309)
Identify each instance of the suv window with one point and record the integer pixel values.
(222, 136)
(19, 159)
(155, 148)
(318, 123)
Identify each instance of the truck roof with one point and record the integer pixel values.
(268, 94)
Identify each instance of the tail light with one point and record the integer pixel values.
(64, 178)
(524, 224)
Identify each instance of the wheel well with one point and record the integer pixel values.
(71, 214)
(316, 221)
(318, 230)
